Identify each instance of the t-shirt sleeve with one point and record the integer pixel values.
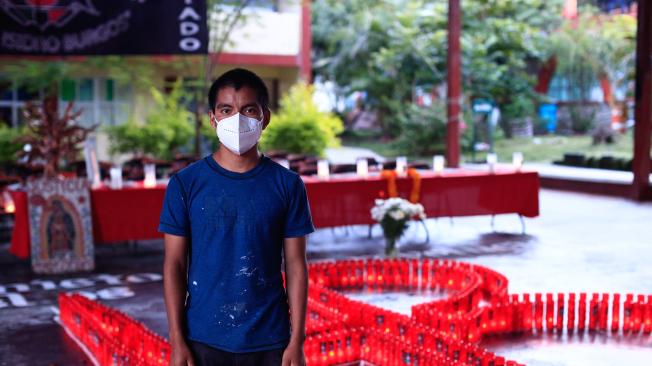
(298, 219)
(174, 214)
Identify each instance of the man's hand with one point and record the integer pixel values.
(293, 355)
(181, 355)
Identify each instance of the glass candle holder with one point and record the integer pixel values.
(323, 171)
(150, 176)
(362, 168)
(284, 163)
(492, 159)
(401, 165)
(116, 177)
(438, 163)
(517, 161)
(9, 205)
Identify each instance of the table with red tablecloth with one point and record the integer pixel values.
(132, 213)
(348, 200)
(119, 215)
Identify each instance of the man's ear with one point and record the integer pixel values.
(267, 115)
(211, 117)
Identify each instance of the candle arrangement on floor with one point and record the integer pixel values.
(340, 330)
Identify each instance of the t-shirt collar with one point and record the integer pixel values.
(262, 162)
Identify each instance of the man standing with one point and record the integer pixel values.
(227, 218)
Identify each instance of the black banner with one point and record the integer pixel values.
(103, 27)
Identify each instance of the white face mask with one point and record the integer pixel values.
(238, 132)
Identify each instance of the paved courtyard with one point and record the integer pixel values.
(579, 243)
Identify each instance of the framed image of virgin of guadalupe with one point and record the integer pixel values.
(61, 228)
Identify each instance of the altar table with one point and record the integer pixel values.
(132, 213)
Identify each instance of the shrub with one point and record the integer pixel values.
(423, 130)
(166, 128)
(300, 127)
(8, 144)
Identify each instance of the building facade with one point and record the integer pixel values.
(270, 37)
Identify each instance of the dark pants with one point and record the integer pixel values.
(206, 355)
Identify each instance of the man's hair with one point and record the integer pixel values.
(237, 78)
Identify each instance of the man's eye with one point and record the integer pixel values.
(225, 110)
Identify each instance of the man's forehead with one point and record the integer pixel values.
(231, 94)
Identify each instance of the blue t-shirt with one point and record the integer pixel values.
(236, 223)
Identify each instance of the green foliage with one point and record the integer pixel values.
(8, 144)
(387, 48)
(46, 75)
(424, 130)
(299, 127)
(37, 75)
(581, 120)
(595, 46)
(166, 128)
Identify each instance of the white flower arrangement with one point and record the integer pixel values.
(397, 208)
(393, 215)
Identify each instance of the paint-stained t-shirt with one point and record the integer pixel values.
(236, 223)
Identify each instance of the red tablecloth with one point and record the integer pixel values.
(133, 213)
(348, 201)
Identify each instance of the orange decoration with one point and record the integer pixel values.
(392, 191)
(416, 185)
(390, 175)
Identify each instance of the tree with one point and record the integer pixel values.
(595, 46)
(388, 47)
(52, 137)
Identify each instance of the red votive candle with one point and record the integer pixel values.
(593, 312)
(637, 313)
(538, 312)
(581, 313)
(615, 313)
(570, 324)
(550, 316)
(604, 312)
(647, 317)
(560, 312)
(627, 313)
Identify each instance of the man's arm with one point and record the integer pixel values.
(175, 269)
(296, 277)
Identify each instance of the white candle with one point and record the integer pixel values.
(284, 163)
(10, 207)
(116, 177)
(491, 161)
(362, 167)
(401, 165)
(438, 163)
(150, 176)
(323, 169)
(517, 161)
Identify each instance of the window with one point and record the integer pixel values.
(86, 90)
(584, 88)
(272, 5)
(101, 100)
(12, 100)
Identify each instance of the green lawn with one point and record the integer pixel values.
(549, 148)
(543, 149)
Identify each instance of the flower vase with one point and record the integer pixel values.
(390, 247)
